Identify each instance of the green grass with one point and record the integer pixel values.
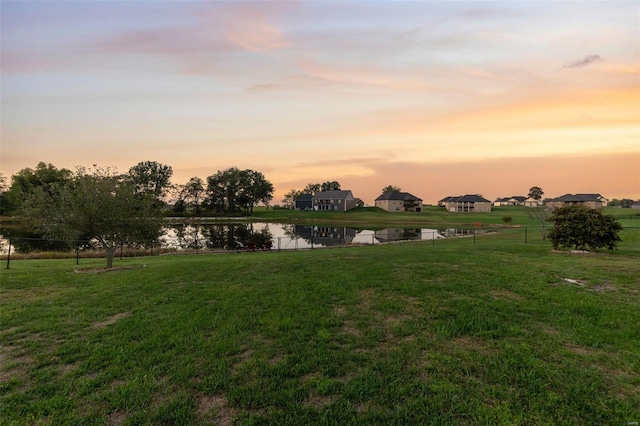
(430, 215)
(496, 332)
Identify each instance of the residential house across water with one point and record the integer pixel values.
(466, 203)
(594, 201)
(397, 201)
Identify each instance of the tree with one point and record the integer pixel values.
(539, 214)
(581, 227)
(390, 188)
(624, 203)
(330, 186)
(289, 199)
(233, 190)
(312, 188)
(192, 194)
(151, 177)
(3, 190)
(96, 204)
(255, 189)
(27, 180)
(536, 193)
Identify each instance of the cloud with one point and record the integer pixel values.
(579, 63)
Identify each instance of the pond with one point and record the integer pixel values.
(239, 236)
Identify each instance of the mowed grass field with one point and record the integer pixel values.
(496, 332)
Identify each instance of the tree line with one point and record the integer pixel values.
(111, 209)
(226, 192)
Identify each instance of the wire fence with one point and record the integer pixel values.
(18, 248)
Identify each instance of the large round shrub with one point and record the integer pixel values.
(580, 227)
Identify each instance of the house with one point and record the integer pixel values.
(397, 201)
(532, 202)
(335, 201)
(516, 200)
(466, 203)
(594, 201)
(303, 202)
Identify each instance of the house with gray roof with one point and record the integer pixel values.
(303, 202)
(516, 200)
(594, 201)
(396, 201)
(335, 201)
(466, 203)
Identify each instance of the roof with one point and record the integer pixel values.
(590, 197)
(333, 195)
(397, 195)
(518, 198)
(568, 198)
(475, 198)
(304, 197)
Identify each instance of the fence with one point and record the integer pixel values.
(38, 248)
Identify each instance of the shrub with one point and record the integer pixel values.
(507, 219)
(581, 227)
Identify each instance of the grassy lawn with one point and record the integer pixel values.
(430, 216)
(496, 332)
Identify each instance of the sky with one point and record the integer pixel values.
(439, 98)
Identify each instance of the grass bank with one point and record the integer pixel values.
(430, 216)
(453, 333)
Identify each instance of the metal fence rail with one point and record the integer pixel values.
(39, 248)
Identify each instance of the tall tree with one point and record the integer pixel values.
(193, 192)
(539, 214)
(151, 177)
(255, 189)
(330, 186)
(312, 188)
(234, 190)
(96, 204)
(27, 180)
(390, 188)
(536, 193)
(289, 199)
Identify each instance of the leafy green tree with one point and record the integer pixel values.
(3, 189)
(289, 199)
(191, 196)
(28, 180)
(330, 186)
(151, 177)
(539, 214)
(581, 227)
(624, 203)
(97, 204)
(233, 190)
(256, 189)
(536, 193)
(390, 188)
(312, 188)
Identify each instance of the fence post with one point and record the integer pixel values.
(9, 254)
(433, 239)
(525, 235)
(278, 244)
(474, 236)
(121, 244)
(152, 242)
(77, 256)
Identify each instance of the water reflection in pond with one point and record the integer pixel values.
(284, 236)
(239, 236)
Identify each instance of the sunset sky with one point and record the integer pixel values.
(437, 97)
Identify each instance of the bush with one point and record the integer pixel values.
(507, 219)
(580, 227)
